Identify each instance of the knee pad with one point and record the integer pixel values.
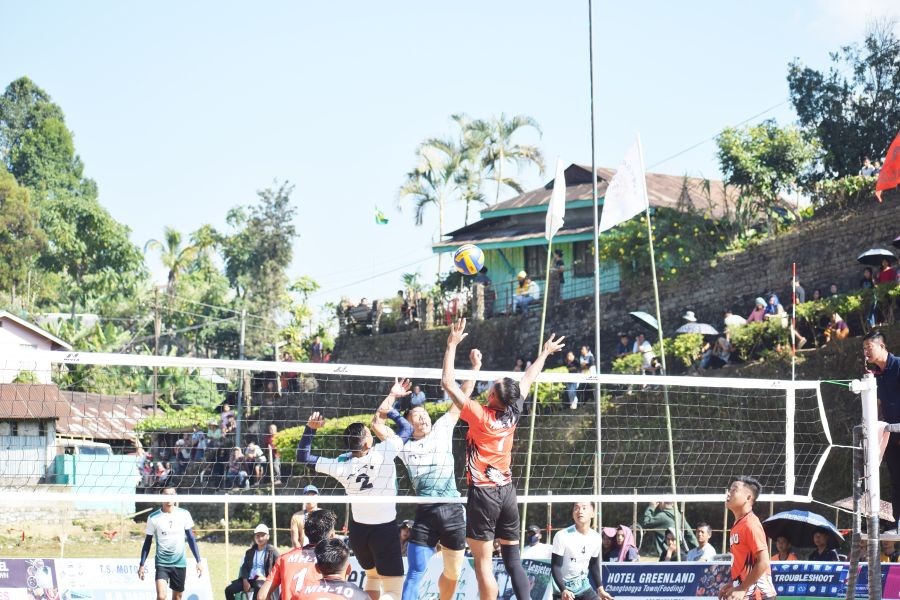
(453, 563)
(509, 554)
(373, 581)
(391, 588)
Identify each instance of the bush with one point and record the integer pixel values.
(843, 194)
(177, 420)
(756, 339)
(687, 347)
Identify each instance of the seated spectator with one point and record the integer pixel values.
(774, 310)
(586, 361)
(649, 364)
(230, 425)
(624, 548)
(161, 474)
(732, 320)
(256, 462)
(887, 274)
(889, 553)
(526, 293)
(608, 543)
(259, 560)
(623, 346)
(837, 328)
(226, 414)
(758, 314)
(417, 397)
(670, 552)
(198, 443)
(236, 475)
(572, 366)
(718, 355)
(783, 550)
(817, 294)
(704, 551)
(867, 282)
(182, 456)
(213, 433)
(535, 548)
(822, 551)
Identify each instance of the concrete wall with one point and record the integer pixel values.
(825, 250)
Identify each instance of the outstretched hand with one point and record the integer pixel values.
(316, 420)
(456, 333)
(554, 344)
(401, 388)
(475, 358)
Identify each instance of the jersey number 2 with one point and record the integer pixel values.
(364, 480)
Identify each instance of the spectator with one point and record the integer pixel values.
(837, 328)
(783, 550)
(624, 548)
(832, 290)
(887, 274)
(417, 398)
(867, 282)
(315, 350)
(256, 463)
(258, 562)
(876, 168)
(535, 549)
(817, 294)
(198, 443)
(689, 316)
(161, 474)
(213, 434)
(733, 320)
(226, 414)
(559, 270)
(608, 544)
(622, 347)
(799, 292)
(236, 475)
(526, 293)
(774, 310)
(519, 367)
(758, 314)
(269, 449)
(868, 169)
(718, 355)
(230, 424)
(822, 551)
(670, 552)
(405, 531)
(490, 296)
(649, 364)
(572, 366)
(660, 516)
(298, 519)
(889, 552)
(182, 457)
(586, 360)
(704, 551)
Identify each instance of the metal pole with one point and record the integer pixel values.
(240, 398)
(598, 462)
(853, 572)
(272, 491)
(869, 392)
(227, 543)
(157, 327)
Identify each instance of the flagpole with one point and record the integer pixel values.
(534, 395)
(598, 459)
(662, 352)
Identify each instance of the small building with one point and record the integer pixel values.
(17, 337)
(511, 233)
(28, 416)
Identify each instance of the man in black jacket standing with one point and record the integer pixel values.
(258, 562)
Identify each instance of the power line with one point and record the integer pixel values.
(376, 276)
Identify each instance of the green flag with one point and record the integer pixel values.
(380, 219)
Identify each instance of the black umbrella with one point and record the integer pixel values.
(874, 257)
(798, 526)
(701, 328)
(897, 242)
(645, 319)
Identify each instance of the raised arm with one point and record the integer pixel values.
(379, 426)
(551, 346)
(469, 384)
(305, 445)
(448, 378)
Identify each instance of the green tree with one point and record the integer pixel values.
(853, 108)
(174, 256)
(500, 149)
(765, 162)
(21, 239)
(23, 106)
(257, 256)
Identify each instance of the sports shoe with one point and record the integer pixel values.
(574, 405)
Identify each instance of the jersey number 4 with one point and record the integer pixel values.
(363, 479)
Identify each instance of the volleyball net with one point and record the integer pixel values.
(106, 428)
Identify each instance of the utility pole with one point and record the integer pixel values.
(240, 399)
(157, 329)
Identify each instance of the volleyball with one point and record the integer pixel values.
(468, 259)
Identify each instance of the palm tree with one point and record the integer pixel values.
(473, 136)
(174, 256)
(499, 149)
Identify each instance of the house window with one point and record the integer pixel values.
(42, 428)
(536, 261)
(5, 428)
(583, 259)
(29, 428)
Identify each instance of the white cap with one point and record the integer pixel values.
(261, 529)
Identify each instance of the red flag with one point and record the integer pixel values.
(889, 177)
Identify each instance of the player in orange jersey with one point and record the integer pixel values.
(295, 569)
(750, 573)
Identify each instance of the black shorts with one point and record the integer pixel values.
(492, 512)
(377, 546)
(174, 575)
(444, 523)
(588, 594)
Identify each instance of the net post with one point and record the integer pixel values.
(868, 391)
(227, 542)
(790, 409)
(271, 466)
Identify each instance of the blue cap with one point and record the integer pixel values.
(310, 489)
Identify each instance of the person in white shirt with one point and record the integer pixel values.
(534, 548)
(576, 555)
(704, 552)
(258, 562)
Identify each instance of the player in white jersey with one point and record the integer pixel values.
(428, 457)
(172, 529)
(576, 558)
(368, 470)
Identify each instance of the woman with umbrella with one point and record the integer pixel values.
(823, 552)
(887, 274)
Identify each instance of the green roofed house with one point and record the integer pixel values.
(511, 233)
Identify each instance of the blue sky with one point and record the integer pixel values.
(183, 110)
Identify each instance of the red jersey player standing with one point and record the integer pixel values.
(750, 573)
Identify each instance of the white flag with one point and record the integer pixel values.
(626, 195)
(556, 210)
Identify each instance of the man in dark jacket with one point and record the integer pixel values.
(659, 517)
(258, 563)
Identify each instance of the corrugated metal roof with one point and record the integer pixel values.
(30, 401)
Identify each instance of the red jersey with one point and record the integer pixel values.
(295, 570)
(489, 443)
(747, 540)
(331, 590)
